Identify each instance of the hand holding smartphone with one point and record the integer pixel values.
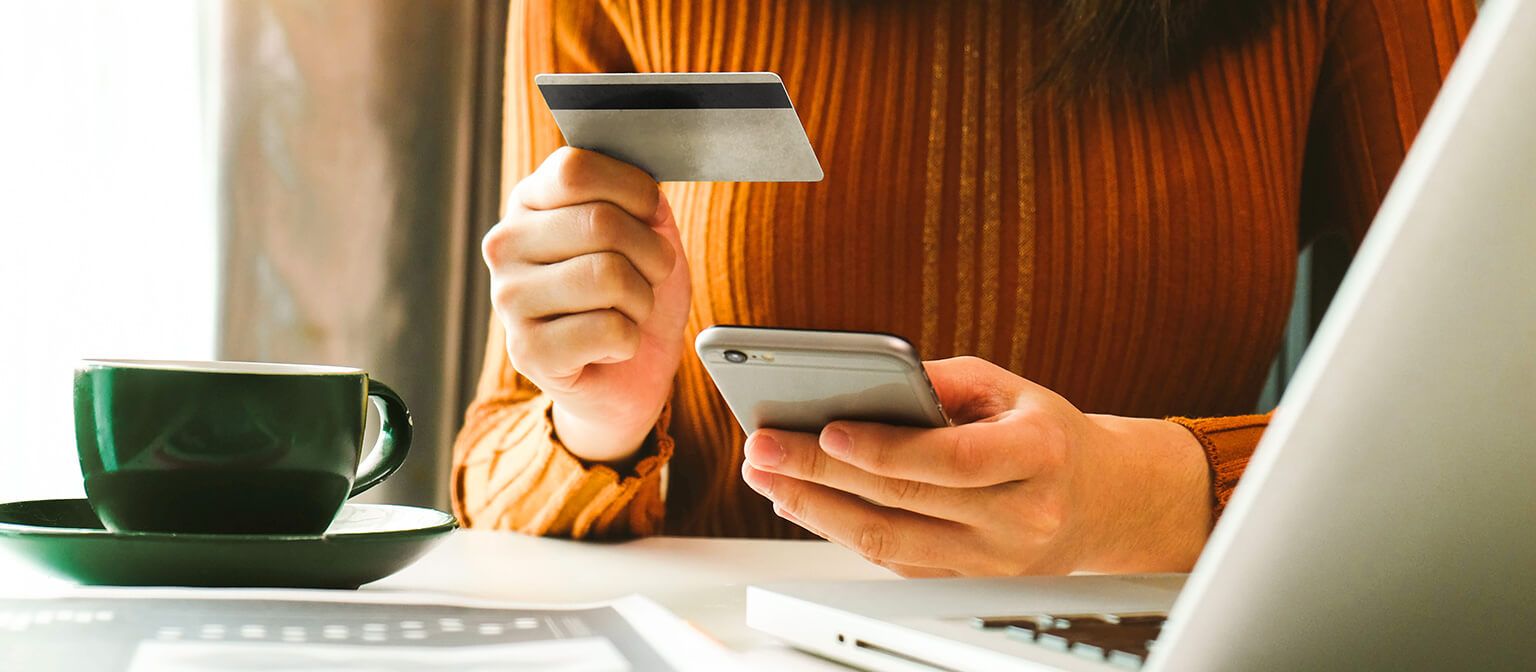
(799, 379)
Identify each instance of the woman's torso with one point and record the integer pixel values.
(1134, 251)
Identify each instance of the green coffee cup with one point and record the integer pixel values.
(229, 447)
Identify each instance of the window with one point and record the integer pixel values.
(108, 241)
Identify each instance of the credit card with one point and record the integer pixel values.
(686, 127)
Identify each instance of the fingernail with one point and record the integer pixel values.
(764, 451)
(836, 442)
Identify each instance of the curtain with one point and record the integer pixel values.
(357, 167)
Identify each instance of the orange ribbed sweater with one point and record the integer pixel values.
(1134, 251)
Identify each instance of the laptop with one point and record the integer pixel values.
(1387, 519)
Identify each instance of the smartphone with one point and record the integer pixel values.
(800, 379)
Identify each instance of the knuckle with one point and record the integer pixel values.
(789, 498)
(874, 539)
(623, 286)
(898, 491)
(768, 487)
(877, 461)
(520, 190)
(1042, 511)
(815, 466)
(629, 278)
(1050, 513)
(614, 322)
(1053, 452)
(606, 273)
(603, 224)
(642, 305)
(622, 334)
(497, 244)
(572, 169)
(521, 352)
(1049, 449)
(968, 459)
(506, 296)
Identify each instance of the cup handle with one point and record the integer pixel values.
(394, 438)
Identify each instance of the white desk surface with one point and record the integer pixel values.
(703, 581)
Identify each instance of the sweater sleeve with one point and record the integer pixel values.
(1381, 68)
(1228, 443)
(510, 471)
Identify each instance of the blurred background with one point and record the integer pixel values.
(299, 181)
(276, 180)
(106, 226)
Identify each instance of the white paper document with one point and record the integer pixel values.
(182, 630)
(588, 654)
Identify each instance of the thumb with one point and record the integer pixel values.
(972, 388)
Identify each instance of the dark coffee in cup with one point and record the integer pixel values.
(229, 447)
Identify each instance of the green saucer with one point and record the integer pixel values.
(367, 542)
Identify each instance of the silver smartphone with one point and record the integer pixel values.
(800, 380)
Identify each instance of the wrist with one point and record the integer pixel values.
(609, 442)
(1158, 495)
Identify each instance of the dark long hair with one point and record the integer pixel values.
(1144, 42)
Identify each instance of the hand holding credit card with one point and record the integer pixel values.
(589, 277)
(686, 127)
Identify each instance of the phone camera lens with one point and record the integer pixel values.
(735, 356)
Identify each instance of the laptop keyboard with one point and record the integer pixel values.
(1122, 640)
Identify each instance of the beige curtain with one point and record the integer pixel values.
(357, 168)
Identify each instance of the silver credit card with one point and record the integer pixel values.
(686, 127)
